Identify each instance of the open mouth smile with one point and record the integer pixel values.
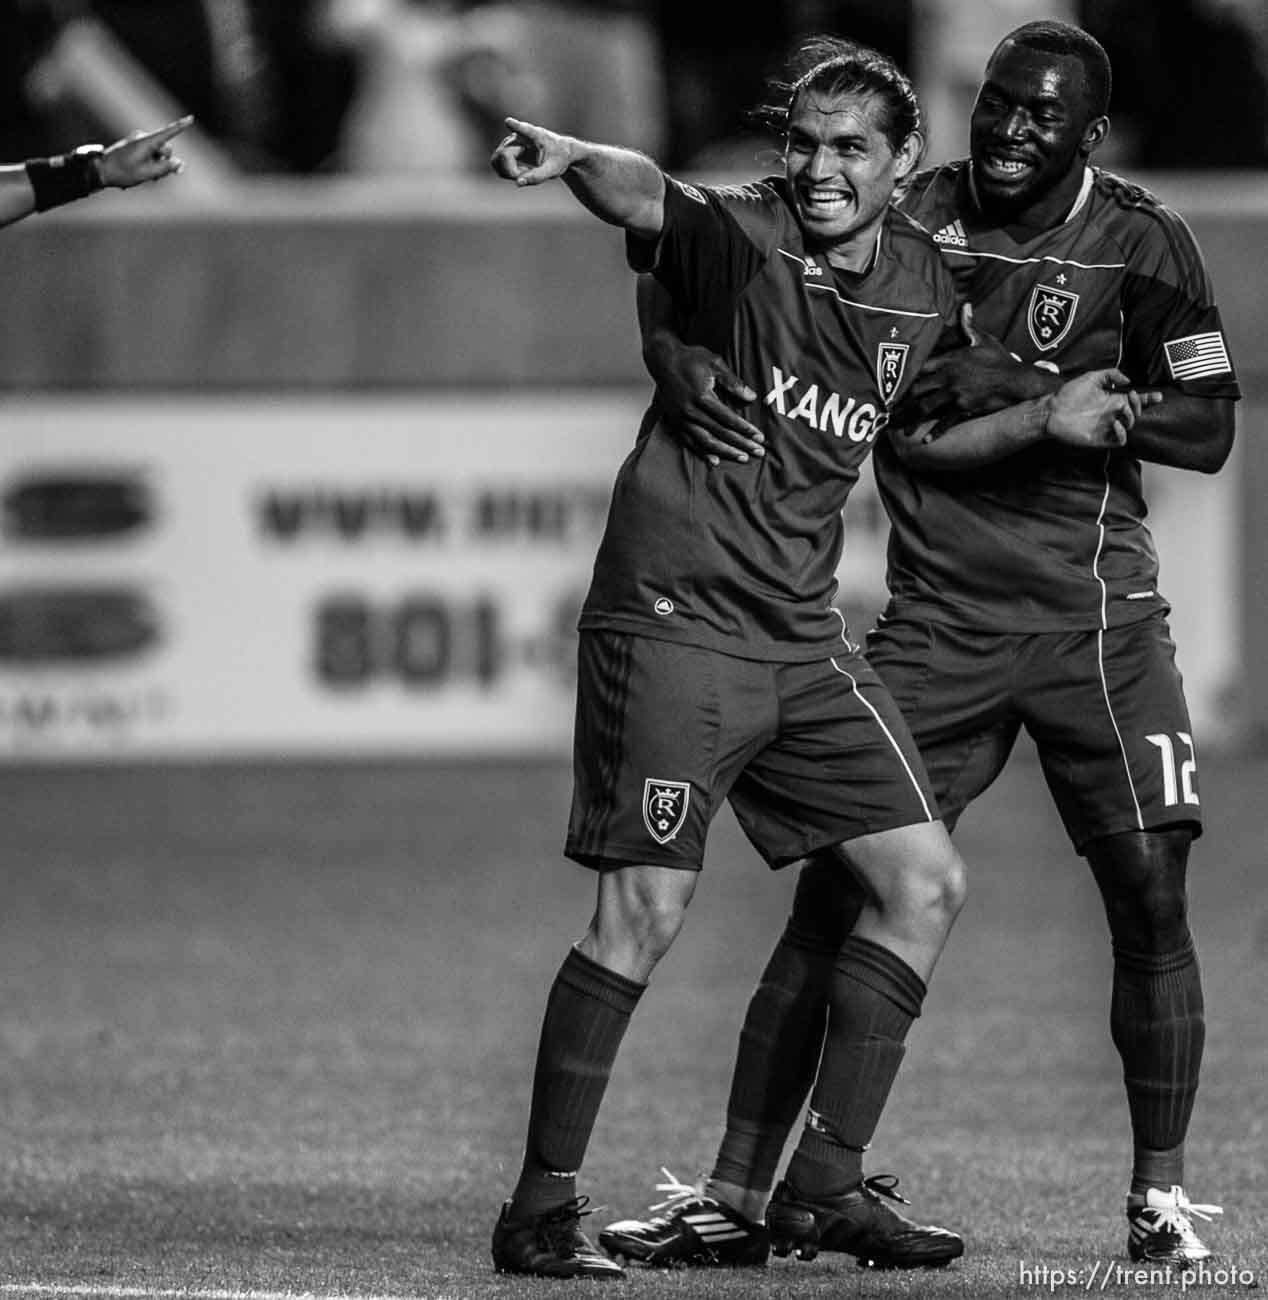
(1000, 167)
(824, 203)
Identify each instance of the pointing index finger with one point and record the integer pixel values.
(165, 133)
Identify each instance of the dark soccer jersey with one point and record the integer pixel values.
(1054, 538)
(742, 558)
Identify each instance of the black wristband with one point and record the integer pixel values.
(65, 177)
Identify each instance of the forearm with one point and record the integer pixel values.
(620, 186)
(1185, 432)
(657, 318)
(43, 183)
(17, 198)
(969, 444)
(1022, 383)
(962, 383)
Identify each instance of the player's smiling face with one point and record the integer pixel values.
(842, 170)
(1032, 129)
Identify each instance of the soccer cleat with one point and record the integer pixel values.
(696, 1231)
(857, 1223)
(550, 1244)
(1159, 1230)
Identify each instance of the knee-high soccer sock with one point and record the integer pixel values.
(1157, 1023)
(875, 998)
(780, 1043)
(587, 1013)
(782, 1036)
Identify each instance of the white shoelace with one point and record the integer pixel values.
(1174, 1217)
(678, 1192)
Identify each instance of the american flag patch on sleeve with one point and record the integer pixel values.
(1197, 356)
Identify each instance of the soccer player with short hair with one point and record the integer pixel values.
(712, 663)
(43, 183)
(1023, 594)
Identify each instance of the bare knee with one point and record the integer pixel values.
(915, 881)
(918, 881)
(639, 912)
(934, 889)
(652, 925)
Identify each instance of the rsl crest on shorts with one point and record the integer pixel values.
(665, 807)
(840, 763)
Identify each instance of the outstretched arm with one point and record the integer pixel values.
(620, 186)
(45, 183)
(1096, 410)
(17, 198)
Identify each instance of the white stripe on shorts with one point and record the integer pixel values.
(1118, 735)
(889, 735)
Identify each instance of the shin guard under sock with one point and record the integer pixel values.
(1158, 1025)
(875, 998)
(587, 1013)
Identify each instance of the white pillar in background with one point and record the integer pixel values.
(953, 40)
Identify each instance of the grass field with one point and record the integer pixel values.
(270, 1029)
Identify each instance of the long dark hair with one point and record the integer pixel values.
(830, 66)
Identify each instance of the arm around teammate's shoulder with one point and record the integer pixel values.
(620, 186)
(978, 377)
(1096, 410)
(699, 394)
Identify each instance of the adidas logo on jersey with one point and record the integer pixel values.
(812, 267)
(953, 235)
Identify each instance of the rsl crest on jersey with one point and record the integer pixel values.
(665, 807)
(1050, 315)
(891, 362)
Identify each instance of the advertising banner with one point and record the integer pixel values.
(280, 575)
(350, 575)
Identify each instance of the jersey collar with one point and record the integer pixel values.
(1080, 199)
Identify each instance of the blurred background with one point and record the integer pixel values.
(306, 452)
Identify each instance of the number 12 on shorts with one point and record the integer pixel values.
(1177, 783)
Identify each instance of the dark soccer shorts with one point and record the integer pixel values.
(1106, 711)
(810, 754)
